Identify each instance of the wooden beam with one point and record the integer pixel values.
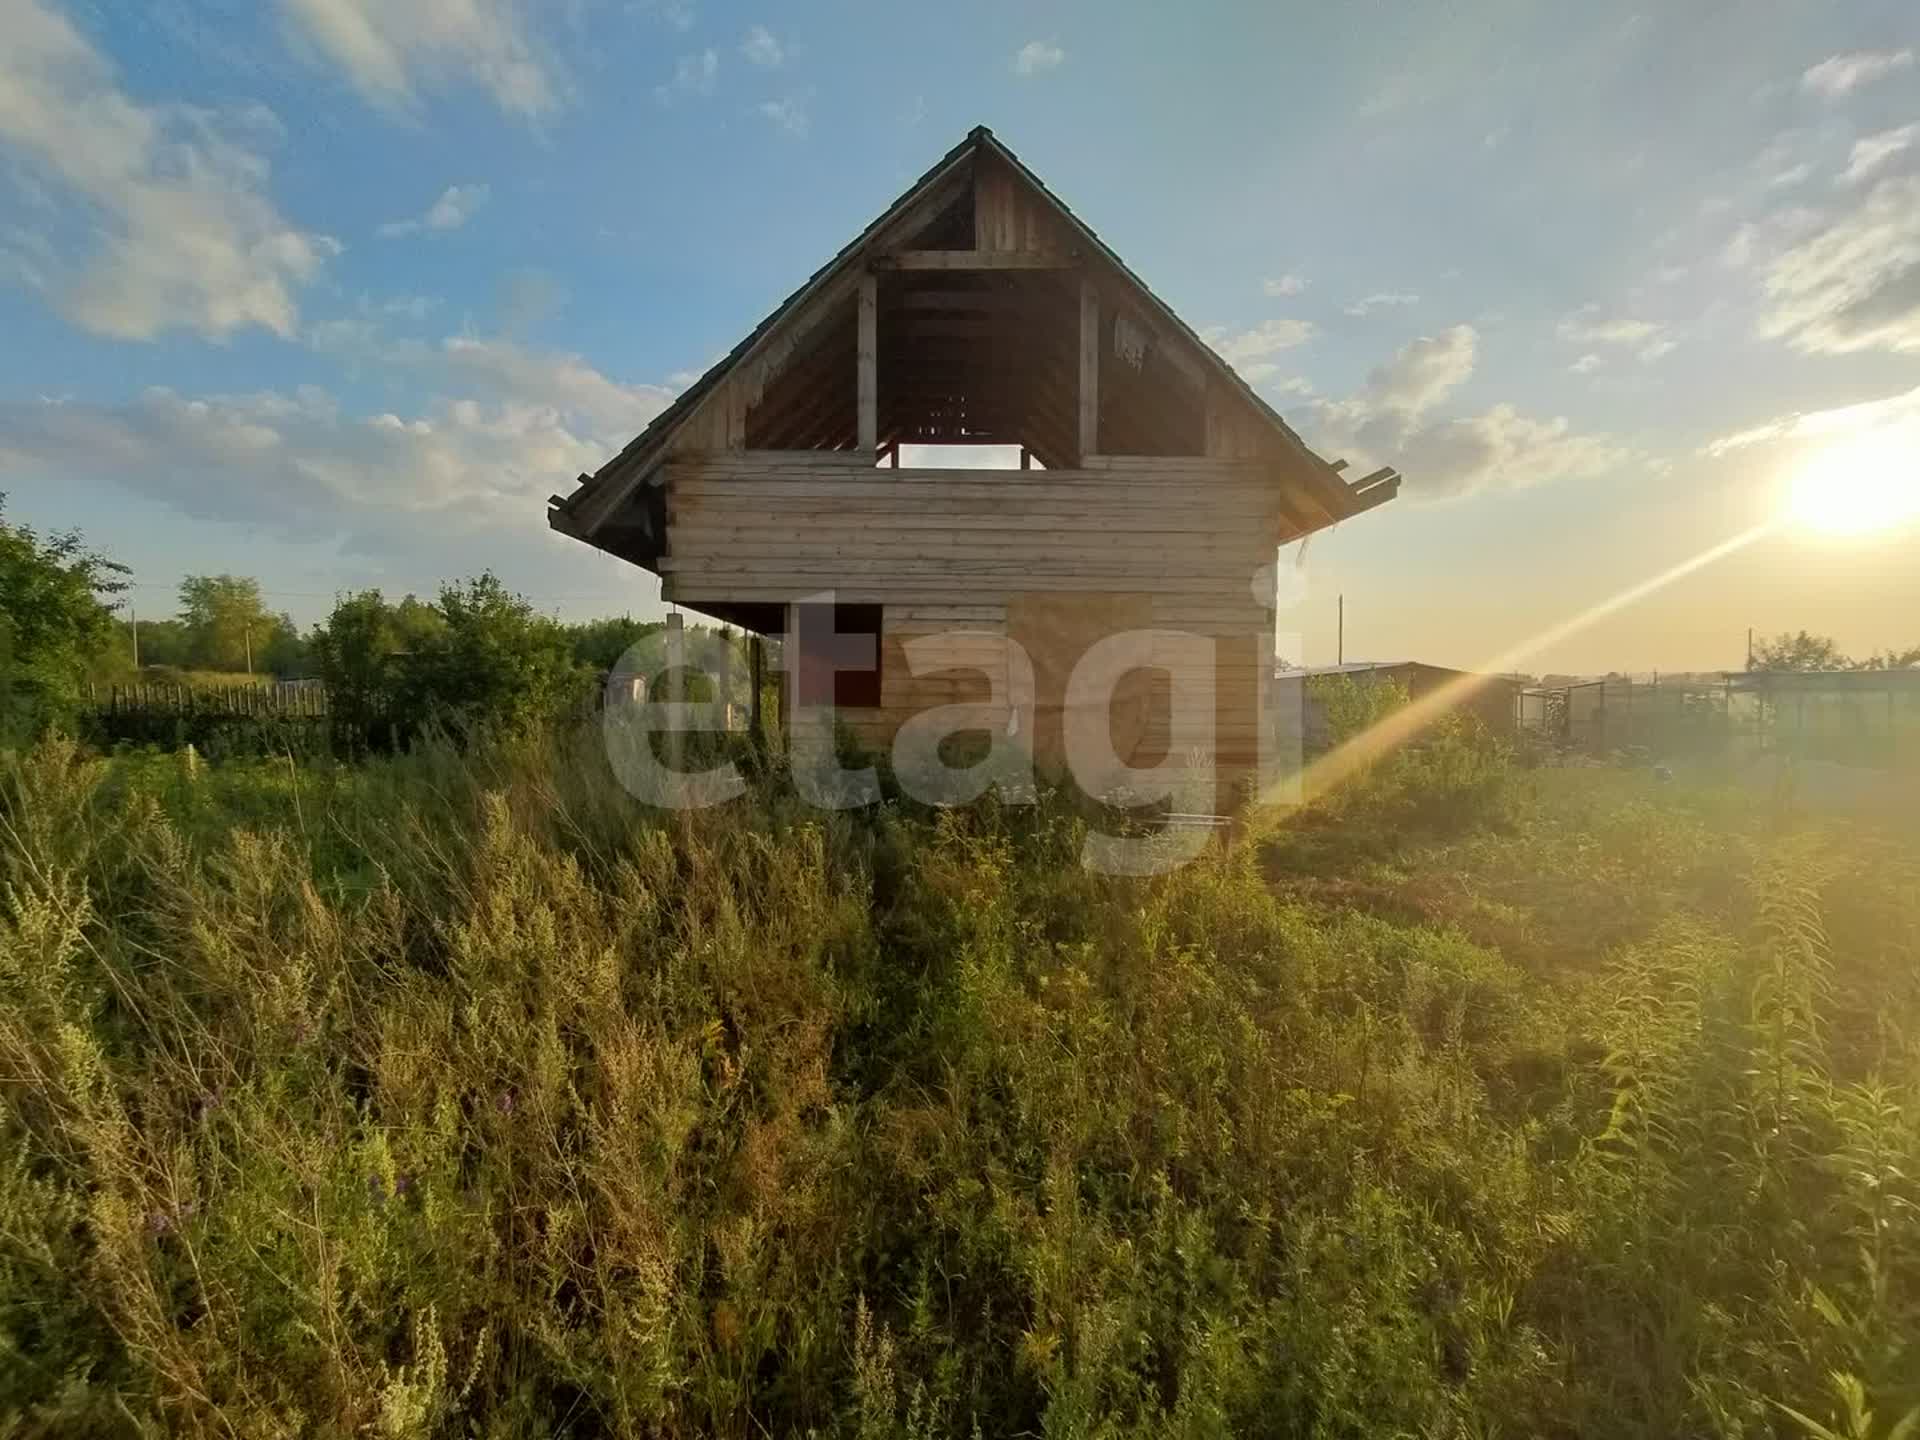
(966, 300)
(972, 260)
(869, 351)
(1089, 369)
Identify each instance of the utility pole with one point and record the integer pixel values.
(133, 624)
(1340, 641)
(1749, 647)
(246, 634)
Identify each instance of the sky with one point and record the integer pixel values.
(338, 292)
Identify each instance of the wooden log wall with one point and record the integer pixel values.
(944, 550)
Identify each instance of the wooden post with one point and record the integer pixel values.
(1089, 370)
(869, 351)
(676, 689)
(757, 668)
(724, 681)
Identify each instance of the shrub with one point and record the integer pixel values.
(55, 621)
(481, 659)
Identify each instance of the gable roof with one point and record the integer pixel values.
(601, 493)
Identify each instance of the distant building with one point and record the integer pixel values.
(1489, 698)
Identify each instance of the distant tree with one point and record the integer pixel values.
(1801, 651)
(285, 651)
(601, 643)
(494, 664)
(165, 642)
(1908, 659)
(56, 618)
(228, 625)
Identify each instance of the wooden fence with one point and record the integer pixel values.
(218, 719)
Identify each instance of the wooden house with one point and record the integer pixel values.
(1154, 484)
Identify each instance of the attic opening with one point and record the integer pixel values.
(985, 326)
(960, 457)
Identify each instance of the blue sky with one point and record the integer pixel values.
(336, 292)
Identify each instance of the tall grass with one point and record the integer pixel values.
(459, 1095)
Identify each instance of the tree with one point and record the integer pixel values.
(416, 622)
(230, 628)
(601, 643)
(1801, 651)
(356, 649)
(56, 617)
(165, 642)
(1908, 659)
(494, 663)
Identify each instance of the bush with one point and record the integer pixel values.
(55, 622)
(481, 659)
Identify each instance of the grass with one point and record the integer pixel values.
(460, 1096)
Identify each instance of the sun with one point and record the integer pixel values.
(1859, 483)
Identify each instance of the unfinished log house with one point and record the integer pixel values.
(1154, 484)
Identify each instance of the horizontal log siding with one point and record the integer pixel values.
(942, 550)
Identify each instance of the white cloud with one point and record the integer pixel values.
(1586, 364)
(1384, 300)
(1280, 287)
(1871, 152)
(456, 206)
(294, 463)
(762, 49)
(1870, 430)
(1791, 176)
(788, 114)
(1391, 421)
(411, 307)
(1839, 75)
(185, 237)
(1037, 56)
(674, 14)
(692, 75)
(1853, 284)
(1424, 371)
(510, 426)
(389, 49)
(1589, 325)
(565, 383)
(1244, 349)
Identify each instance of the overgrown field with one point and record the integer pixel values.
(463, 1097)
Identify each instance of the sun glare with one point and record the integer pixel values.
(1860, 483)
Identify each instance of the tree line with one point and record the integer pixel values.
(1803, 651)
(475, 654)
